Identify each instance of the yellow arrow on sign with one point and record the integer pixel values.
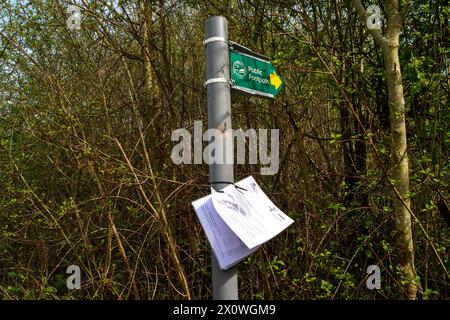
(275, 80)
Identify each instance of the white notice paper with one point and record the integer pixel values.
(227, 247)
(249, 213)
(238, 220)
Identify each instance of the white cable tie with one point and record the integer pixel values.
(216, 80)
(212, 39)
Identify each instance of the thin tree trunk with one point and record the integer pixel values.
(399, 168)
(152, 92)
(399, 156)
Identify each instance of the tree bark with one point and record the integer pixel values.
(399, 167)
(152, 92)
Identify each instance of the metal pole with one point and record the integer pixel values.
(224, 283)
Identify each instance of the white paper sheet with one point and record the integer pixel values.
(237, 221)
(227, 247)
(249, 213)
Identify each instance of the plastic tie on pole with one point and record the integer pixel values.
(213, 39)
(216, 80)
(227, 182)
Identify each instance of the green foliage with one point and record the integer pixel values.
(77, 187)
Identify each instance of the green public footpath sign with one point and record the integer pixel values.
(254, 75)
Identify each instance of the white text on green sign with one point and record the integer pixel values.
(254, 75)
